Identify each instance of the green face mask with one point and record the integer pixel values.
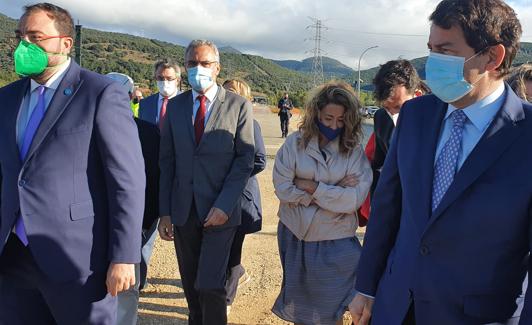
(30, 59)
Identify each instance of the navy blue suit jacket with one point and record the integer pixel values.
(148, 108)
(464, 263)
(250, 200)
(81, 186)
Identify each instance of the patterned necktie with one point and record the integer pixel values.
(447, 163)
(33, 124)
(199, 122)
(162, 113)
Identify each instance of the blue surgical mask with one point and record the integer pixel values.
(329, 133)
(200, 78)
(445, 76)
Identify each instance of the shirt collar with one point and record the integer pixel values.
(394, 117)
(55, 80)
(210, 94)
(482, 112)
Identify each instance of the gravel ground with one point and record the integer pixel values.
(164, 302)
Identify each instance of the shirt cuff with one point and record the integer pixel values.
(365, 295)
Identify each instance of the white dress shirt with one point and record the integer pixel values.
(211, 96)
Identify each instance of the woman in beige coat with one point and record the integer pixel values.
(321, 176)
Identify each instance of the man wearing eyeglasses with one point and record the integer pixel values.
(153, 108)
(206, 157)
(71, 195)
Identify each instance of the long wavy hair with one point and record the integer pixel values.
(518, 79)
(339, 93)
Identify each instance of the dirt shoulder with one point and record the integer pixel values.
(164, 302)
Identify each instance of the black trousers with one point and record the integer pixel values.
(235, 258)
(284, 124)
(203, 255)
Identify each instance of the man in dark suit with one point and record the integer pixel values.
(127, 310)
(450, 232)
(152, 109)
(395, 83)
(168, 77)
(206, 158)
(149, 136)
(71, 195)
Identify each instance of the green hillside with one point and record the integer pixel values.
(106, 51)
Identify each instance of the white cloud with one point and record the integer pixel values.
(274, 28)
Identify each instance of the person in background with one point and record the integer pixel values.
(395, 82)
(250, 202)
(127, 311)
(207, 151)
(152, 109)
(449, 236)
(521, 81)
(127, 83)
(72, 196)
(321, 177)
(136, 97)
(285, 107)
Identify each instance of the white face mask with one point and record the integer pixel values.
(167, 88)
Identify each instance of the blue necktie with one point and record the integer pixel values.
(447, 162)
(33, 124)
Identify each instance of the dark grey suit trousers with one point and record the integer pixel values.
(203, 255)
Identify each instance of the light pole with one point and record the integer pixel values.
(359, 59)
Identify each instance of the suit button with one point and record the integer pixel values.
(191, 182)
(22, 182)
(424, 250)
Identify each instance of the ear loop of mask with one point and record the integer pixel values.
(472, 57)
(59, 65)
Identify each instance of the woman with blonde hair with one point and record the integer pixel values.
(321, 176)
(521, 81)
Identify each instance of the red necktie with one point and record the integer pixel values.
(199, 122)
(162, 114)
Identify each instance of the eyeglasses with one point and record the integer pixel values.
(161, 78)
(35, 37)
(205, 64)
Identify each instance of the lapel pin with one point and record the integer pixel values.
(67, 92)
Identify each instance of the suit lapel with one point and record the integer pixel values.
(214, 113)
(427, 136)
(502, 132)
(12, 116)
(188, 114)
(154, 108)
(63, 95)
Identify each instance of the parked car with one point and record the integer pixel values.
(370, 110)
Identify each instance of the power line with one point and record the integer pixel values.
(380, 48)
(377, 33)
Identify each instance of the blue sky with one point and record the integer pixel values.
(275, 29)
